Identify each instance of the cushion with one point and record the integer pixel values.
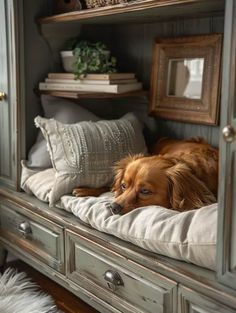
(83, 154)
(38, 183)
(64, 111)
(188, 236)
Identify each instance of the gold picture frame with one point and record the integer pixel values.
(186, 78)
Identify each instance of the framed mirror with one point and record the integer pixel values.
(185, 78)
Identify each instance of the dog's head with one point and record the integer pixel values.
(157, 180)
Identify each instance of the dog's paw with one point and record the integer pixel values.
(80, 192)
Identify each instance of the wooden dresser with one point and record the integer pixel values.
(110, 274)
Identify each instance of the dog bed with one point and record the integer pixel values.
(188, 236)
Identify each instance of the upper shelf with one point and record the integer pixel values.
(140, 10)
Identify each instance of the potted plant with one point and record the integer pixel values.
(84, 57)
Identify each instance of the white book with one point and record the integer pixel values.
(118, 88)
(93, 76)
(91, 81)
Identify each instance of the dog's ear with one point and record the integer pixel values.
(186, 191)
(119, 170)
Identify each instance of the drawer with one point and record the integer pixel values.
(191, 301)
(126, 285)
(33, 234)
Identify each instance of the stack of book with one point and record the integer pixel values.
(106, 83)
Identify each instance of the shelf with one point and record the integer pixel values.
(145, 10)
(95, 95)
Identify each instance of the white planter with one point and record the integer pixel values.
(68, 60)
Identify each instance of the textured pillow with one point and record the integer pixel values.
(83, 154)
(64, 111)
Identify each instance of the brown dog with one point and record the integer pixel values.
(183, 175)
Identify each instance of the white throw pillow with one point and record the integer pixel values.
(83, 154)
(64, 111)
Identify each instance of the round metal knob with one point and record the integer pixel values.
(113, 279)
(229, 133)
(25, 228)
(3, 95)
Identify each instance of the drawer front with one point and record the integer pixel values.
(191, 301)
(117, 280)
(36, 235)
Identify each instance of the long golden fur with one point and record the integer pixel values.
(180, 175)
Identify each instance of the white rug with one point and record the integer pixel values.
(19, 295)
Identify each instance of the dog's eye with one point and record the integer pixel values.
(145, 191)
(123, 186)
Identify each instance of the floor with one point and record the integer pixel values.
(66, 301)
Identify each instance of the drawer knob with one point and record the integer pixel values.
(113, 279)
(229, 133)
(2, 95)
(25, 228)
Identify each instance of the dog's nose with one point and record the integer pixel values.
(116, 208)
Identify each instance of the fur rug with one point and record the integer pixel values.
(18, 294)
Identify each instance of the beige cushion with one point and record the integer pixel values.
(38, 183)
(64, 111)
(83, 154)
(187, 236)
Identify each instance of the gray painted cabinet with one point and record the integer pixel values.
(227, 188)
(9, 104)
(108, 273)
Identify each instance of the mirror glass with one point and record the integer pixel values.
(185, 78)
